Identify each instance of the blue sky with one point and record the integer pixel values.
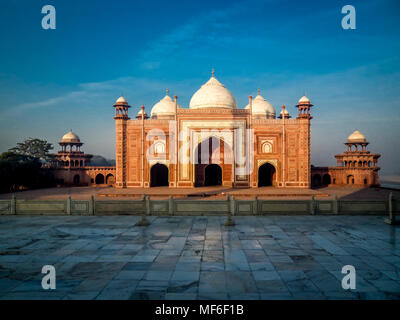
(54, 80)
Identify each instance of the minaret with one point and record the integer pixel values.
(250, 129)
(121, 116)
(304, 105)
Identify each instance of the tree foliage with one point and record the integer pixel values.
(21, 167)
(35, 148)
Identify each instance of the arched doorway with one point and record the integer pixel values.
(266, 175)
(350, 179)
(99, 179)
(159, 175)
(316, 180)
(77, 179)
(212, 153)
(213, 175)
(110, 179)
(326, 179)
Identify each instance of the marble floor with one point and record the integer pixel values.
(273, 257)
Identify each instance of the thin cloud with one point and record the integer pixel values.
(198, 30)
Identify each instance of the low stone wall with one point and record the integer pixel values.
(181, 207)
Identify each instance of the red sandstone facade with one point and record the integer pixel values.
(215, 143)
(281, 147)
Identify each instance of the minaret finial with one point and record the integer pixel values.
(167, 92)
(213, 73)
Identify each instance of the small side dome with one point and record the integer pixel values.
(139, 114)
(213, 94)
(165, 107)
(70, 137)
(261, 107)
(356, 137)
(121, 100)
(285, 112)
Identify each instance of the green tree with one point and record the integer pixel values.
(35, 148)
(21, 167)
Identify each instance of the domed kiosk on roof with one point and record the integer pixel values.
(121, 109)
(164, 109)
(284, 112)
(213, 94)
(121, 100)
(304, 99)
(355, 141)
(356, 136)
(304, 105)
(261, 107)
(71, 140)
(140, 113)
(71, 163)
(70, 137)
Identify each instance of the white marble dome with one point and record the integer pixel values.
(261, 107)
(356, 136)
(70, 137)
(165, 107)
(213, 94)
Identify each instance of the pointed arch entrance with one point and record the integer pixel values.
(77, 179)
(159, 175)
(326, 179)
(99, 179)
(316, 180)
(266, 175)
(350, 179)
(213, 159)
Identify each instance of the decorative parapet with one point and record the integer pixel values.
(181, 207)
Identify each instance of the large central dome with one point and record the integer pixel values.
(213, 94)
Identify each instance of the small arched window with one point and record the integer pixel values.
(266, 147)
(159, 147)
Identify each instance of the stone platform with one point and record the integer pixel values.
(274, 257)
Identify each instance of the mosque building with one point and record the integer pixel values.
(214, 142)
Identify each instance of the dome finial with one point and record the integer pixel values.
(167, 92)
(258, 91)
(213, 73)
